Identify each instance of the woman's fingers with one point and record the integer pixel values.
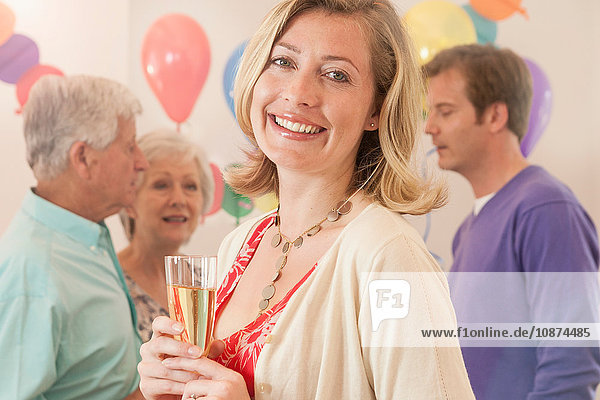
(154, 370)
(203, 366)
(160, 346)
(203, 388)
(231, 387)
(159, 380)
(166, 326)
(162, 343)
(160, 387)
(156, 380)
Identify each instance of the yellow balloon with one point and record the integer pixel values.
(436, 25)
(266, 202)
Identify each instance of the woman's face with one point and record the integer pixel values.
(168, 202)
(314, 100)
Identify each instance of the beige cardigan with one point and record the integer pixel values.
(323, 345)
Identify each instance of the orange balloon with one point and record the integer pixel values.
(7, 23)
(30, 77)
(496, 10)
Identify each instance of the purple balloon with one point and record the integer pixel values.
(17, 55)
(541, 107)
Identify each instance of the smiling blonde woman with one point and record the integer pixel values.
(330, 93)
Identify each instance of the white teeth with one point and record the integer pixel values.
(296, 126)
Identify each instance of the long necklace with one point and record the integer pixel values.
(342, 208)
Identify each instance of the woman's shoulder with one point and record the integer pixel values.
(379, 235)
(377, 225)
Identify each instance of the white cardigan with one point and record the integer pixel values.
(323, 345)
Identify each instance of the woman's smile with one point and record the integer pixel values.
(290, 128)
(296, 126)
(314, 99)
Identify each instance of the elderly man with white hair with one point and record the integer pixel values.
(67, 322)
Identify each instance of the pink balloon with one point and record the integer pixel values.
(219, 189)
(176, 59)
(30, 77)
(541, 107)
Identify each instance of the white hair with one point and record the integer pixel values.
(62, 110)
(165, 143)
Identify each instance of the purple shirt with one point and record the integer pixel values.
(533, 224)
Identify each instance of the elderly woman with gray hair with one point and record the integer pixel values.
(171, 195)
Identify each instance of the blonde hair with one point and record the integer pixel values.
(396, 183)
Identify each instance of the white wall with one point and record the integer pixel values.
(564, 39)
(89, 37)
(104, 38)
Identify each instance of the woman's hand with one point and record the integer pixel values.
(215, 381)
(157, 381)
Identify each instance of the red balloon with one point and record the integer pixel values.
(176, 59)
(219, 189)
(30, 77)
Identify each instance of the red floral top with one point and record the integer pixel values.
(243, 347)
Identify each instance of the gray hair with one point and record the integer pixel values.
(164, 143)
(62, 110)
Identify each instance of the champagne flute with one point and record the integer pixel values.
(191, 287)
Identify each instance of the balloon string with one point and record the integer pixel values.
(523, 12)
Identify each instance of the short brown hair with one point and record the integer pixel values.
(397, 184)
(492, 75)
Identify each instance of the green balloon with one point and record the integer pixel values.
(235, 204)
(486, 29)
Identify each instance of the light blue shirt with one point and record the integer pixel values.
(67, 322)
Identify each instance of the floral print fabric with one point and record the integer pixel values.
(243, 347)
(145, 306)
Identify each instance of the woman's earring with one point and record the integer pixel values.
(372, 125)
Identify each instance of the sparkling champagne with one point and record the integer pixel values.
(195, 309)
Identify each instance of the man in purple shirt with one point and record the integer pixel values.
(528, 233)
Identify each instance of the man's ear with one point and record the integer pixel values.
(80, 159)
(497, 116)
(131, 212)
